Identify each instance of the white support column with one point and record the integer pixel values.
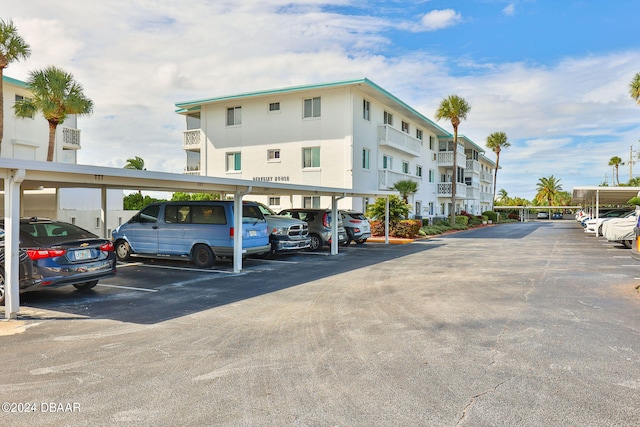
(334, 223)
(103, 212)
(12, 239)
(386, 220)
(237, 229)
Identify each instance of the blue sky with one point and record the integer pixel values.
(552, 74)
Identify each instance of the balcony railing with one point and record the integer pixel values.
(487, 198)
(472, 193)
(444, 190)
(473, 166)
(387, 178)
(445, 158)
(402, 141)
(486, 177)
(191, 139)
(71, 138)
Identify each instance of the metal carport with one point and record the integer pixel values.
(592, 197)
(18, 175)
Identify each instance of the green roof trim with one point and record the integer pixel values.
(183, 106)
(15, 82)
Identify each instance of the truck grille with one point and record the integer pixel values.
(298, 230)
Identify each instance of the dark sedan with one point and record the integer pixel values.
(59, 253)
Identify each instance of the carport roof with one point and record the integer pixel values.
(592, 195)
(60, 175)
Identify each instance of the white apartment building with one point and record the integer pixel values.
(28, 139)
(351, 134)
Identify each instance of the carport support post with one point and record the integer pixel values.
(334, 223)
(12, 252)
(386, 220)
(237, 229)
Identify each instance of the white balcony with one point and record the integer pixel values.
(473, 166)
(70, 138)
(444, 190)
(445, 158)
(486, 177)
(192, 139)
(390, 137)
(472, 193)
(486, 198)
(387, 178)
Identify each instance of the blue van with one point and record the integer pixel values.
(194, 231)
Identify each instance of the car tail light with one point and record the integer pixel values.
(107, 247)
(355, 221)
(36, 254)
(231, 232)
(325, 220)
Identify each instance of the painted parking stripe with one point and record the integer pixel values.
(167, 267)
(128, 287)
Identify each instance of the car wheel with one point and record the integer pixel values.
(1, 286)
(202, 256)
(347, 242)
(316, 242)
(123, 250)
(361, 241)
(627, 243)
(86, 285)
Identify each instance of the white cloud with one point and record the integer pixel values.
(439, 19)
(509, 10)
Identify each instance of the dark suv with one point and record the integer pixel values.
(319, 221)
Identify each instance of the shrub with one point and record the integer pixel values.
(491, 215)
(462, 220)
(406, 228)
(476, 220)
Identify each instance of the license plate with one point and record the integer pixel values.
(253, 233)
(82, 254)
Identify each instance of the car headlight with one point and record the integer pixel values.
(280, 231)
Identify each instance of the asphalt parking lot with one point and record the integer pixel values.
(518, 324)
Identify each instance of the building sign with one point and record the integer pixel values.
(271, 178)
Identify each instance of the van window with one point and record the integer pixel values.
(208, 214)
(150, 214)
(251, 213)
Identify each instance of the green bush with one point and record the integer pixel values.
(406, 228)
(462, 220)
(491, 215)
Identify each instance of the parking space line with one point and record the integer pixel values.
(128, 287)
(174, 268)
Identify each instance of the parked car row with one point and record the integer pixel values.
(54, 253)
(618, 225)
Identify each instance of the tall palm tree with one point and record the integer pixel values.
(406, 187)
(548, 189)
(455, 109)
(634, 88)
(496, 142)
(135, 163)
(615, 162)
(12, 48)
(57, 95)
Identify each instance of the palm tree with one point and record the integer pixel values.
(12, 48)
(634, 88)
(496, 142)
(615, 162)
(135, 163)
(57, 95)
(548, 189)
(406, 187)
(503, 195)
(455, 109)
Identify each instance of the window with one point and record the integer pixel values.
(386, 162)
(405, 167)
(366, 155)
(193, 121)
(419, 134)
(234, 116)
(430, 208)
(274, 106)
(273, 155)
(311, 157)
(274, 201)
(405, 127)
(419, 171)
(432, 175)
(431, 142)
(311, 202)
(21, 98)
(388, 118)
(234, 162)
(366, 110)
(311, 107)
